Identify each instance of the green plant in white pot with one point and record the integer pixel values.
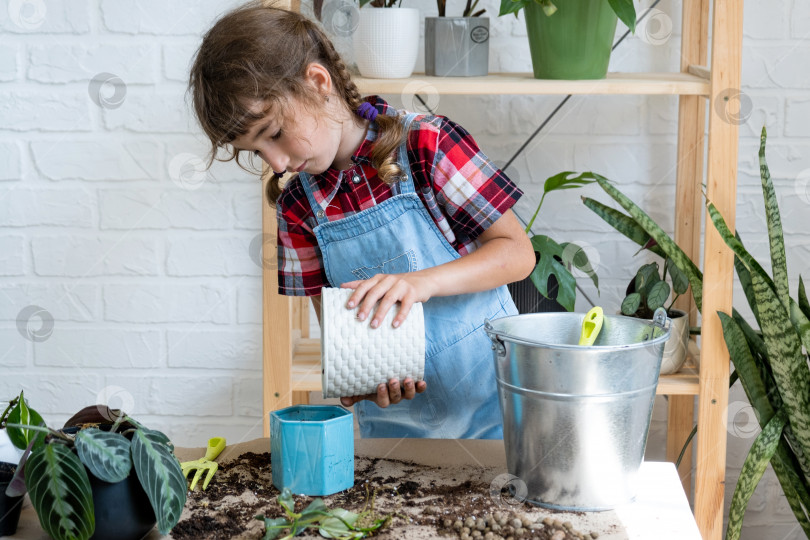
(571, 39)
(457, 46)
(80, 477)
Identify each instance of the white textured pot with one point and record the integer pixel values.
(386, 42)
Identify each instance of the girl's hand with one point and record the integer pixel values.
(388, 289)
(388, 395)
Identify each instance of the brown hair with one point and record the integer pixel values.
(258, 52)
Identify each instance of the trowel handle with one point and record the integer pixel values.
(215, 446)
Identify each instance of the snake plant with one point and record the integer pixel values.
(771, 364)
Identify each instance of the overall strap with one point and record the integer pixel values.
(406, 184)
(317, 210)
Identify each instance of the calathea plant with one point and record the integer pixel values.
(56, 473)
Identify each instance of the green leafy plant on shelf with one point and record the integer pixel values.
(469, 8)
(56, 472)
(337, 523)
(557, 259)
(624, 9)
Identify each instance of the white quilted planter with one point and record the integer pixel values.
(386, 42)
(357, 358)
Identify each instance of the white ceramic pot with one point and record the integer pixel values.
(677, 344)
(386, 42)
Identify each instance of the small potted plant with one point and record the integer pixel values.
(552, 286)
(457, 46)
(649, 290)
(119, 477)
(571, 39)
(385, 40)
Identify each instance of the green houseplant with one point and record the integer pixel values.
(100, 454)
(457, 46)
(571, 39)
(771, 363)
(552, 277)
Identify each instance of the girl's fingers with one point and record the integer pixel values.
(382, 396)
(394, 391)
(421, 386)
(404, 309)
(408, 389)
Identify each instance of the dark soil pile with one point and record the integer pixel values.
(426, 502)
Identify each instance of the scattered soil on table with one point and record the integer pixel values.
(426, 502)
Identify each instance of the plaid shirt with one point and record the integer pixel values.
(462, 190)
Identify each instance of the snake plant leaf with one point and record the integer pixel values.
(659, 235)
(753, 467)
(657, 295)
(631, 303)
(788, 364)
(337, 524)
(680, 282)
(60, 492)
(804, 305)
(25, 415)
(106, 454)
(626, 12)
(548, 266)
(748, 288)
(775, 237)
(161, 478)
(624, 224)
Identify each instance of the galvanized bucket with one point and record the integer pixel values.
(576, 418)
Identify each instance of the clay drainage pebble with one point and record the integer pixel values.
(427, 502)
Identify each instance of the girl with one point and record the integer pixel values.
(400, 207)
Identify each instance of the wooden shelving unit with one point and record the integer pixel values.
(291, 358)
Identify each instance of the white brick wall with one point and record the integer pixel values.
(149, 266)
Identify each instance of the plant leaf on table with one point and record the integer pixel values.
(106, 454)
(26, 416)
(57, 480)
(161, 477)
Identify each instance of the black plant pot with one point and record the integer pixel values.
(122, 510)
(529, 300)
(10, 507)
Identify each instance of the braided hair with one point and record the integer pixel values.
(258, 52)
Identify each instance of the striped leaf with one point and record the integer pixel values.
(803, 303)
(161, 478)
(659, 235)
(753, 467)
(794, 485)
(106, 454)
(60, 492)
(788, 364)
(622, 223)
(631, 303)
(26, 416)
(800, 323)
(747, 286)
(775, 237)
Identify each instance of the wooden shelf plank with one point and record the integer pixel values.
(306, 372)
(525, 83)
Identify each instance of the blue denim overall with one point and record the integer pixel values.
(397, 236)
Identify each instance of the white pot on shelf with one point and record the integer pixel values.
(386, 42)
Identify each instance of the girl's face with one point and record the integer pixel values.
(303, 143)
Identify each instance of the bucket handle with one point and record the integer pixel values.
(660, 320)
(497, 343)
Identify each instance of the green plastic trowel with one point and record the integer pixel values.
(591, 325)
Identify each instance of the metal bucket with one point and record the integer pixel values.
(576, 418)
